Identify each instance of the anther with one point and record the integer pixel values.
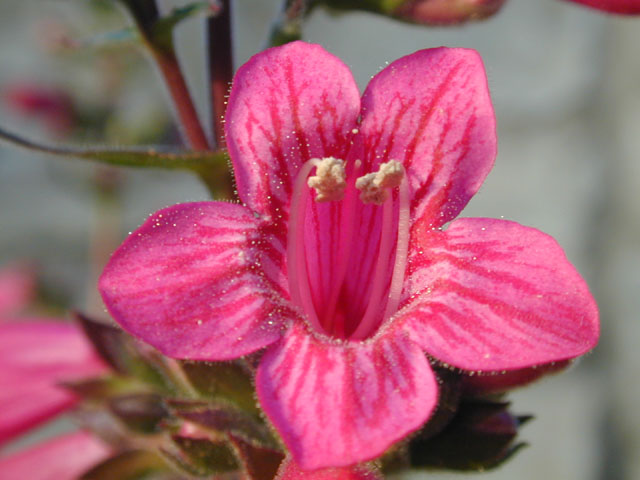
(329, 182)
(374, 187)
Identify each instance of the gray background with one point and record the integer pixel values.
(566, 87)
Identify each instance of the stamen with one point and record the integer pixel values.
(344, 247)
(402, 249)
(375, 187)
(329, 183)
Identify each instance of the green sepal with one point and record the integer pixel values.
(221, 419)
(226, 381)
(140, 412)
(200, 457)
(130, 465)
(258, 462)
(123, 354)
(480, 437)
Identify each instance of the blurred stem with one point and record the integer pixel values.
(288, 26)
(220, 53)
(158, 39)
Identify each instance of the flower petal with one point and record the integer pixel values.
(623, 7)
(26, 403)
(287, 105)
(494, 295)
(193, 281)
(289, 470)
(16, 288)
(337, 404)
(34, 357)
(431, 111)
(66, 457)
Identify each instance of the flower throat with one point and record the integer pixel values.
(330, 184)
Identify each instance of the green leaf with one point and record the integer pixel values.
(227, 381)
(199, 162)
(131, 465)
(481, 436)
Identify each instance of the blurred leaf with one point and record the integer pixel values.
(200, 457)
(203, 163)
(222, 419)
(116, 38)
(100, 388)
(480, 437)
(140, 412)
(131, 465)
(229, 381)
(260, 463)
(122, 353)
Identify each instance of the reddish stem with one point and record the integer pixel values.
(220, 48)
(179, 92)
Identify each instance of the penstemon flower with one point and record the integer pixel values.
(344, 264)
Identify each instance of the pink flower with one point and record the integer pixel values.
(347, 295)
(63, 458)
(35, 356)
(623, 7)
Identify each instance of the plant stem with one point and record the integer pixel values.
(188, 116)
(220, 53)
(159, 42)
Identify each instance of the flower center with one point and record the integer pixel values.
(330, 183)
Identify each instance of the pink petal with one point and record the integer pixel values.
(34, 358)
(287, 105)
(431, 111)
(289, 470)
(194, 282)
(337, 404)
(624, 7)
(26, 403)
(47, 350)
(16, 288)
(494, 295)
(63, 458)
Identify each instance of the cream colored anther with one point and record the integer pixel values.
(374, 187)
(329, 182)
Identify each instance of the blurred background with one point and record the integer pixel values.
(565, 83)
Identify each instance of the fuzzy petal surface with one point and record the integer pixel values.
(289, 470)
(338, 404)
(493, 295)
(287, 105)
(65, 457)
(622, 7)
(191, 282)
(432, 112)
(34, 358)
